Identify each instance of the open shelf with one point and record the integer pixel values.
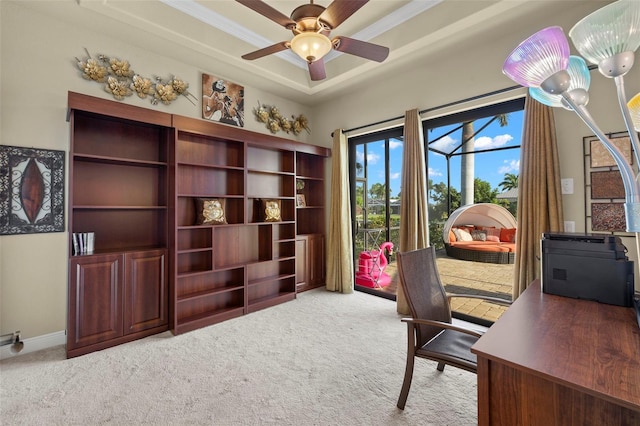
(258, 303)
(209, 282)
(192, 148)
(116, 160)
(206, 318)
(270, 160)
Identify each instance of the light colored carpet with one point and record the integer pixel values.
(323, 359)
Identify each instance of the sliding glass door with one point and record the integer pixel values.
(376, 166)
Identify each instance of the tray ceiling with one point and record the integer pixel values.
(213, 35)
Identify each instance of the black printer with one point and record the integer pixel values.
(587, 266)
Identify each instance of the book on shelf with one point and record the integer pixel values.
(83, 242)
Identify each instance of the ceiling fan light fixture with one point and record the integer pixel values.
(311, 46)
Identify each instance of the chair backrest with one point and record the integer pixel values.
(426, 297)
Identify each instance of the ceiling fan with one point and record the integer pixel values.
(311, 25)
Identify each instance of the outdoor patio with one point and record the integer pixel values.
(479, 278)
(467, 277)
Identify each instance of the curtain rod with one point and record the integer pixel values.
(473, 98)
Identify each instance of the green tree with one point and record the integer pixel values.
(483, 193)
(439, 193)
(378, 191)
(510, 181)
(359, 196)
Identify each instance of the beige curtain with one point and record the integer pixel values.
(539, 194)
(414, 220)
(340, 245)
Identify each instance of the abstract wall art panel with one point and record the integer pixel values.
(31, 190)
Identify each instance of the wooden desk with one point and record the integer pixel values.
(552, 360)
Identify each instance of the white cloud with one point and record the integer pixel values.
(503, 139)
(434, 172)
(445, 144)
(395, 175)
(372, 158)
(485, 142)
(510, 166)
(393, 144)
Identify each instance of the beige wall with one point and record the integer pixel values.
(37, 70)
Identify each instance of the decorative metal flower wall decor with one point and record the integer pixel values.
(121, 81)
(275, 122)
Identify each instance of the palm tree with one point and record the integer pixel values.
(510, 181)
(467, 165)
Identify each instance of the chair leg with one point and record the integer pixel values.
(406, 384)
(408, 371)
(441, 366)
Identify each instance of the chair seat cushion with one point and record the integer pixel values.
(453, 346)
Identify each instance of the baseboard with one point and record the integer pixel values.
(35, 344)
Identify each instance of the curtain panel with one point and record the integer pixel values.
(414, 220)
(340, 243)
(539, 192)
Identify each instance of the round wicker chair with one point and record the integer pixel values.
(481, 214)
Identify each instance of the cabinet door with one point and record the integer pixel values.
(145, 290)
(316, 260)
(95, 299)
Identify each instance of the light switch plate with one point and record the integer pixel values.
(569, 226)
(567, 185)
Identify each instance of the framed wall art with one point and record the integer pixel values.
(31, 190)
(604, 190)
(600, 156)
(606, 184)
(222, 100)
(608, 217)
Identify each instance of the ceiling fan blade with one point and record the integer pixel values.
(269, 12)
(275, 48)
(361, 48)
(338, 11)
(317, 71)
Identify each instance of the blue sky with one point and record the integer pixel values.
(490, 167)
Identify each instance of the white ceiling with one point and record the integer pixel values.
(214, 34)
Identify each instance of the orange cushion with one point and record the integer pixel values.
(488, 248)
(510, 246)
(485, 246)
(508, 235)
(452, 237)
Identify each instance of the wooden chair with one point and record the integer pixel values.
(431, 334)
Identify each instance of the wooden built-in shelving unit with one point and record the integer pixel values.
(135, 175)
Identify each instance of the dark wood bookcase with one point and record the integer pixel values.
(119, 191)
(136, 176)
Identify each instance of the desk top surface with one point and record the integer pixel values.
(585, 345)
